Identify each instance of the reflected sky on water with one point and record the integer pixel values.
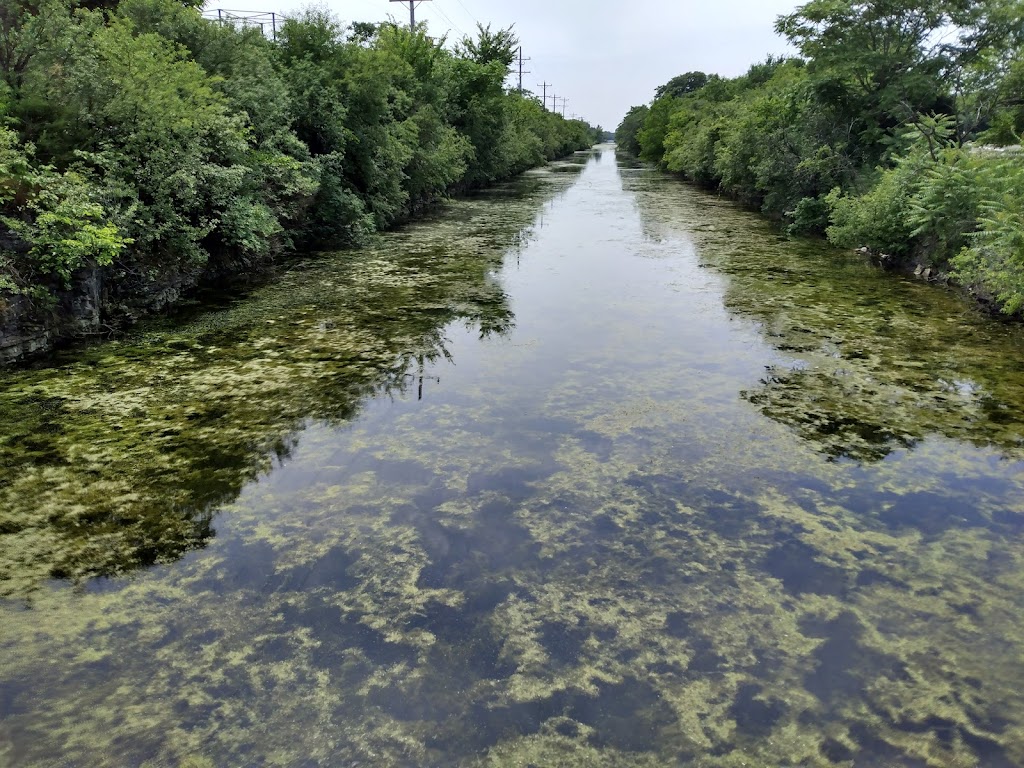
(591, 469)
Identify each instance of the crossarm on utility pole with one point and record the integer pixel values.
(412, 11)
(545, 85)
(521, 71)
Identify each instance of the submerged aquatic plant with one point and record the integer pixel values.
(597, 539)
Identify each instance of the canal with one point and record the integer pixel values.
(590, 469)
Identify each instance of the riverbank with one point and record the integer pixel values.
(930, 268)
(98, 302)
(891, 143)
(921, 261)
(126, 188)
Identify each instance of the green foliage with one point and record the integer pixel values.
(67, 229)
(809, 215)
(627, 135)
(15, 167)
(1007, 121)
(946, 203)
(655, 128)
(906, 200)
(54, 215)
(490, 47)
(885, 62)
(682, 85)
(993, 260)
(878, 219)
(147, 138)
(757, 138)
(870, 135)
(930, 203)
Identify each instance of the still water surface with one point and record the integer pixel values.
(593, 469)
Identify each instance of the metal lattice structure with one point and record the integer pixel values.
(267, 22)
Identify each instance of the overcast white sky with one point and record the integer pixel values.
(604, 55)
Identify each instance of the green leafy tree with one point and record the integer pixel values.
(167, 147)
(682, 85)
(489, 47)
(883, 62)
(651, 137)
(1006, 124)
(55, 215)
(627, 135)
(993, 261)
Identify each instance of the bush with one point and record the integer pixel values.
(878, 219)
(143, 136)
(55, 215)
(993, 259)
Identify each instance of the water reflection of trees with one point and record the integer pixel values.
(118, 456)
(868, 363)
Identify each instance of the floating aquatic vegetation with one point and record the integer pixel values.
(868, 363)
(117, 456)
(496, 498)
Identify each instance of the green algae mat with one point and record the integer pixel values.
(592, 469)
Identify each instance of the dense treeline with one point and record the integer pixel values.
(897, 128)
(139, 136)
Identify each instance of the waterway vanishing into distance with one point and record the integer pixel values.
(592, 469)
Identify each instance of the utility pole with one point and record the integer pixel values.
(521, 73)
(554, 102)
(564, 102)
(545, 86)
(412, 11)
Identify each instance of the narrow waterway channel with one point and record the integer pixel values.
(593, 469)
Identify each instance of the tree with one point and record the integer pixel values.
(652, 135)
(681, 85)
(883, 62)
(627, 135)
(168, 146)
(500, 46)
(56, 216)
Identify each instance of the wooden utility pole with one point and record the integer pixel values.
(412, 11)
(521, 73)
(545, 85)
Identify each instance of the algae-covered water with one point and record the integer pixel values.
(593, 469)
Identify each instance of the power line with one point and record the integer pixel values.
(467, 11)
(449, 20)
